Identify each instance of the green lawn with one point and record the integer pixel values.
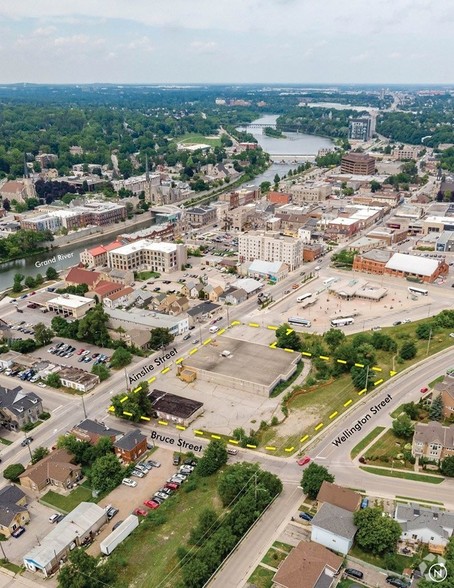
(12, 567)
(283, 546)
(66, 504)
(149, 556)
(144, 276)
(192, 139)
(5, 441)
(366, 441)
(261, 578)
(403, 475)
(401, 561)
(439, 379)
(386, 449)
(410, 499)
(273, 557)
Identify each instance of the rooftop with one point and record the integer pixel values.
(249, 285)
(172, 404)
(145, 318)
(16, 400)
(265, 267)
(146, 244)
(57, 465)
(414, 516)
(96, 427)
(339, 496)
(434, 432)
(130, 440)
(335, 520)
(78, 275)
(414, 264)
(380, 255)
(308, 565)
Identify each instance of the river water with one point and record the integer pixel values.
(287, 152)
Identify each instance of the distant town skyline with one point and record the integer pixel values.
(229, 41)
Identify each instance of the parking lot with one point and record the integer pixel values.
(126, 499)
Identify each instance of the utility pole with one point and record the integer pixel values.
(126, 380)
(83, 405)
(366, 385)
(3, 552)
(428, 342)
(28, 447)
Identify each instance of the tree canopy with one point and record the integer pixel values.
(376, 533)
(313, 477)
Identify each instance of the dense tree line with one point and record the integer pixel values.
(17, 243)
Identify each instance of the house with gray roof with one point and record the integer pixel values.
(18, 408)
(13, 510)
(431, 526)
(131, 446)
(433, 440)
(333, 527)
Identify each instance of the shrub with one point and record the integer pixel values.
(44, 416)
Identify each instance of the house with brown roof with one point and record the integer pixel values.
(56, 469)
(338, 496)
(308, 565)
(446, 389)
(104, 288)
(120, 298)
(433, 440)
(13, 510)
(14, 190)
(77, 276)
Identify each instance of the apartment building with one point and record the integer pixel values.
(446, 389)
(147, 255)
(241, 197)
(199, 216)
(310, 192)
(97, 256)
(433, 440)
(93, 213)
(360, 129)
(406, 152)
(46, 222)
(358, 164)
(270, 247)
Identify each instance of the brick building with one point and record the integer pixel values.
(358, 164)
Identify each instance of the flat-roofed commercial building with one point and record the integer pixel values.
(270, 247)
(97, 256)
(45, 222)
(146, 320)
(379, 262)
(437, 224)
(70, 305)
(359, 164)
(173, 408)
(310, 192)
(147, 255)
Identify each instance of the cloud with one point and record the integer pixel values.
(44, 31)
(143, 44)
(201, 47)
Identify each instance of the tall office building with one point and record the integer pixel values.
(360, 129)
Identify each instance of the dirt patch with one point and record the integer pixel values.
(126, 499)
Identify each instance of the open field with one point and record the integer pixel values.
(189, 139)
(386, 450)
(149, 556)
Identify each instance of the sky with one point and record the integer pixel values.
(227, 41)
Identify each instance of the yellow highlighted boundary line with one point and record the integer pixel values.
(124, 398)
(127, 413)
(197, 432)
(378, 382)
(377, 369)
(341, 361)
(331, 416)
(319, 426)
(234, 441)
(362, 391)
(163, 422)
(325, 357)
(207, 341)
(303, 439)
(138, 389)
(306, 353)
(193, 351)
(177, 361)
(289, 449)
(213, 436)
(180, 427)
(144, 418)
(165, 370)
(254, 325)
(151, 380)
(272, 328)
(348, 402)
(221, 331)
(251, 446)
(270, 448)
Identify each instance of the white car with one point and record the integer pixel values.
(451, 335)
(407, 320)
(137, 474)
(129, 482)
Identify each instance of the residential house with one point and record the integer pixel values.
(308, 565)
(141, 298)
(195, 289)
(338, 496)
(131, 446)
(214, 293)
(93, 431)
(120, 298)
(233, 296)
(13, 510)
(433, 441)
(173, 408)
(78, 276)
(446, 389)
(18, 408)
(430, 525)
(56, 469)
(104, 288)
(181, 304)
(333, 527)
(203, 311)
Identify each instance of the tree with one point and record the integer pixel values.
(121, 357)
(17, 283)
(412, 410)
(359, 376)
(101, 371)
(447, 466)
(53, 380)
(436, 409)
(277, 179)
(93, 327)
(375, 186)
(30, 282)
(287, 338)
(408, 350)
(214, 457)
(160, 338)
(39, 453)
(13, 471)
(83, 571)
(403, 427)
(43, 335)
(376, 533)
(105, 473)
(334, 338)
(208, 521)
(51, 273)
(423, 330)
(313, 477)
(241, 475)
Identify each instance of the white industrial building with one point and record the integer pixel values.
(137, 318)
(148, 255)
(78, 527)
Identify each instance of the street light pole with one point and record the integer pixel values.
(28, 446)
(83, 406)
(428, 342)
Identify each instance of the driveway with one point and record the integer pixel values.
(372, 576)
(126, 499)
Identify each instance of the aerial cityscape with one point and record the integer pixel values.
(227, 295)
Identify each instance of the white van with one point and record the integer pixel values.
(214, 329)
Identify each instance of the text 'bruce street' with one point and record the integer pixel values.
(362, 421)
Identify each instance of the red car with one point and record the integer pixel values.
(140, 512)
(151, 504)
(424, 390)
(303, 461)
(172, 486)
(80, 351)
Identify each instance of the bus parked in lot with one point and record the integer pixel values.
(420, 291)
(296, 320)
(329, 281)
(304, 296)
(342, 322)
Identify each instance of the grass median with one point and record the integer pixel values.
(366, 441)
(403, 475)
